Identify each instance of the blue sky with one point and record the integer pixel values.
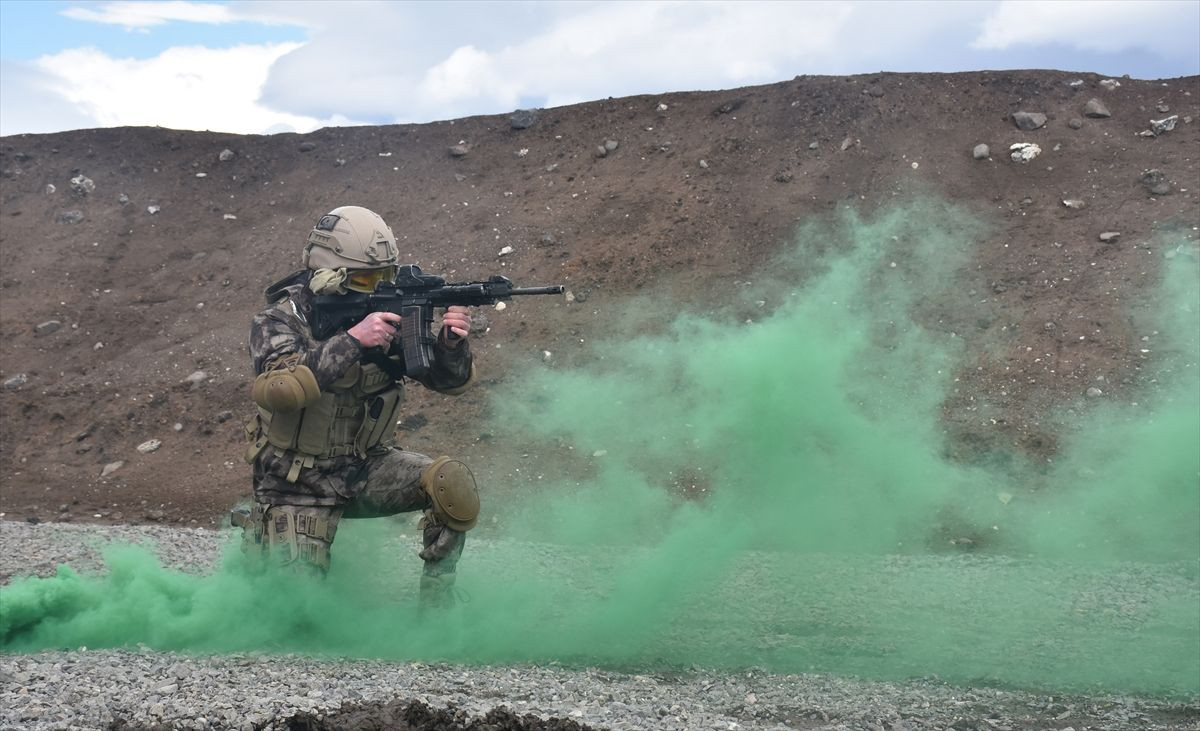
(265, 66)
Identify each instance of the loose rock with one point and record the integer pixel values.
(611, 145)
(14, 383)
(1075, 123)
(81, 185)
(111, 467)
(224, 416)
(49, 189)
(47, 327)
(196, 378)
(72, 216)
(226, 155)
(1155, 181)
(1074, 204)
(784, 177)
(1109, 237)
(1024, 151)
(523, 118)
(1096, 109)
(150, 445)
(459, 150)
(1029, 121)
(308, 146)
(123, 199)
(1110, 84)
(1162, 126)
(981, 152)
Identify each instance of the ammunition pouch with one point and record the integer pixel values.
(355, 416)
(292, 535)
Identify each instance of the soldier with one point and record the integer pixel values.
(324, 435)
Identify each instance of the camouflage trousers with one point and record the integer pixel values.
(302, 535)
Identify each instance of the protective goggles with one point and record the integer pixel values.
(365, 280)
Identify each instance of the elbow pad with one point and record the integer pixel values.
(286, 388)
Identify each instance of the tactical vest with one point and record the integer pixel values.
(354, 415)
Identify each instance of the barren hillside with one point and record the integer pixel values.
(133, 258)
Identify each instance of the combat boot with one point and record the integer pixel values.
(437, 593)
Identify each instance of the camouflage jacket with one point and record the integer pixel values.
(281, 330)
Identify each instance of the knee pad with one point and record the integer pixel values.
(451, 486)
(299, 536)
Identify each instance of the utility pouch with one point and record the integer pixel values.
(379, 421)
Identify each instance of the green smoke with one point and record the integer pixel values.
(761, 485)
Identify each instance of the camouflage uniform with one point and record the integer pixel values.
(375, 482)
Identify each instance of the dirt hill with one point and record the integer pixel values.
(133, 258)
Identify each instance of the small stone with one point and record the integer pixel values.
(1109, 237)
(1075, 83)
(177, 426)
(224, 416)
(523, 118)
(459, 177)
(611, 145)
(123, 199)
(307, 146)
(661, 107)
(601, 152)
(784, 177)
(981, 152)
(704, 164)
(501, 306)
(49, 189)
(847, 143)
(196, 378)
(72, 216)
(874, 90)
(1029, 121)
(111, 467)
(156, 515)
(1024, 151)
(813, 145)
(47, 327)
(229, 217)
(1162, 126)
(600, 453)
(81, 185)
(14, 383)
(505, 251)
(150, 445)
(459, 150)
(153, 209)
(1155, 181)
(1094, 392)
(1074, 204)
(1096, 109)
(226, 155)
(546, 356)
(1110, 84)
(1075, 123)
(1162, 108)
(201, 175)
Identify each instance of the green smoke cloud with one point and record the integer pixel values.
(760, 485)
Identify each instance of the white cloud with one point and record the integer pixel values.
(184, 87)
(140, 15)
(31, 101)
(1098, 25)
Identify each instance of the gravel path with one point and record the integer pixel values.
(99, 688)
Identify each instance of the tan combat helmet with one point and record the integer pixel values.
(351, 237)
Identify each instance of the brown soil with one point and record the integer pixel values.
(172, 292)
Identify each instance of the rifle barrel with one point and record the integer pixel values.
(553, 289)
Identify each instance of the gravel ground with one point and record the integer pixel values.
(139, 687)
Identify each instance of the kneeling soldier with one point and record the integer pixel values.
(324, 435)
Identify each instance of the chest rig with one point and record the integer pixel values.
(356, 416)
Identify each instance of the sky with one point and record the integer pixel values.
(268, 66)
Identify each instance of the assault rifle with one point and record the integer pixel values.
(413, 295)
